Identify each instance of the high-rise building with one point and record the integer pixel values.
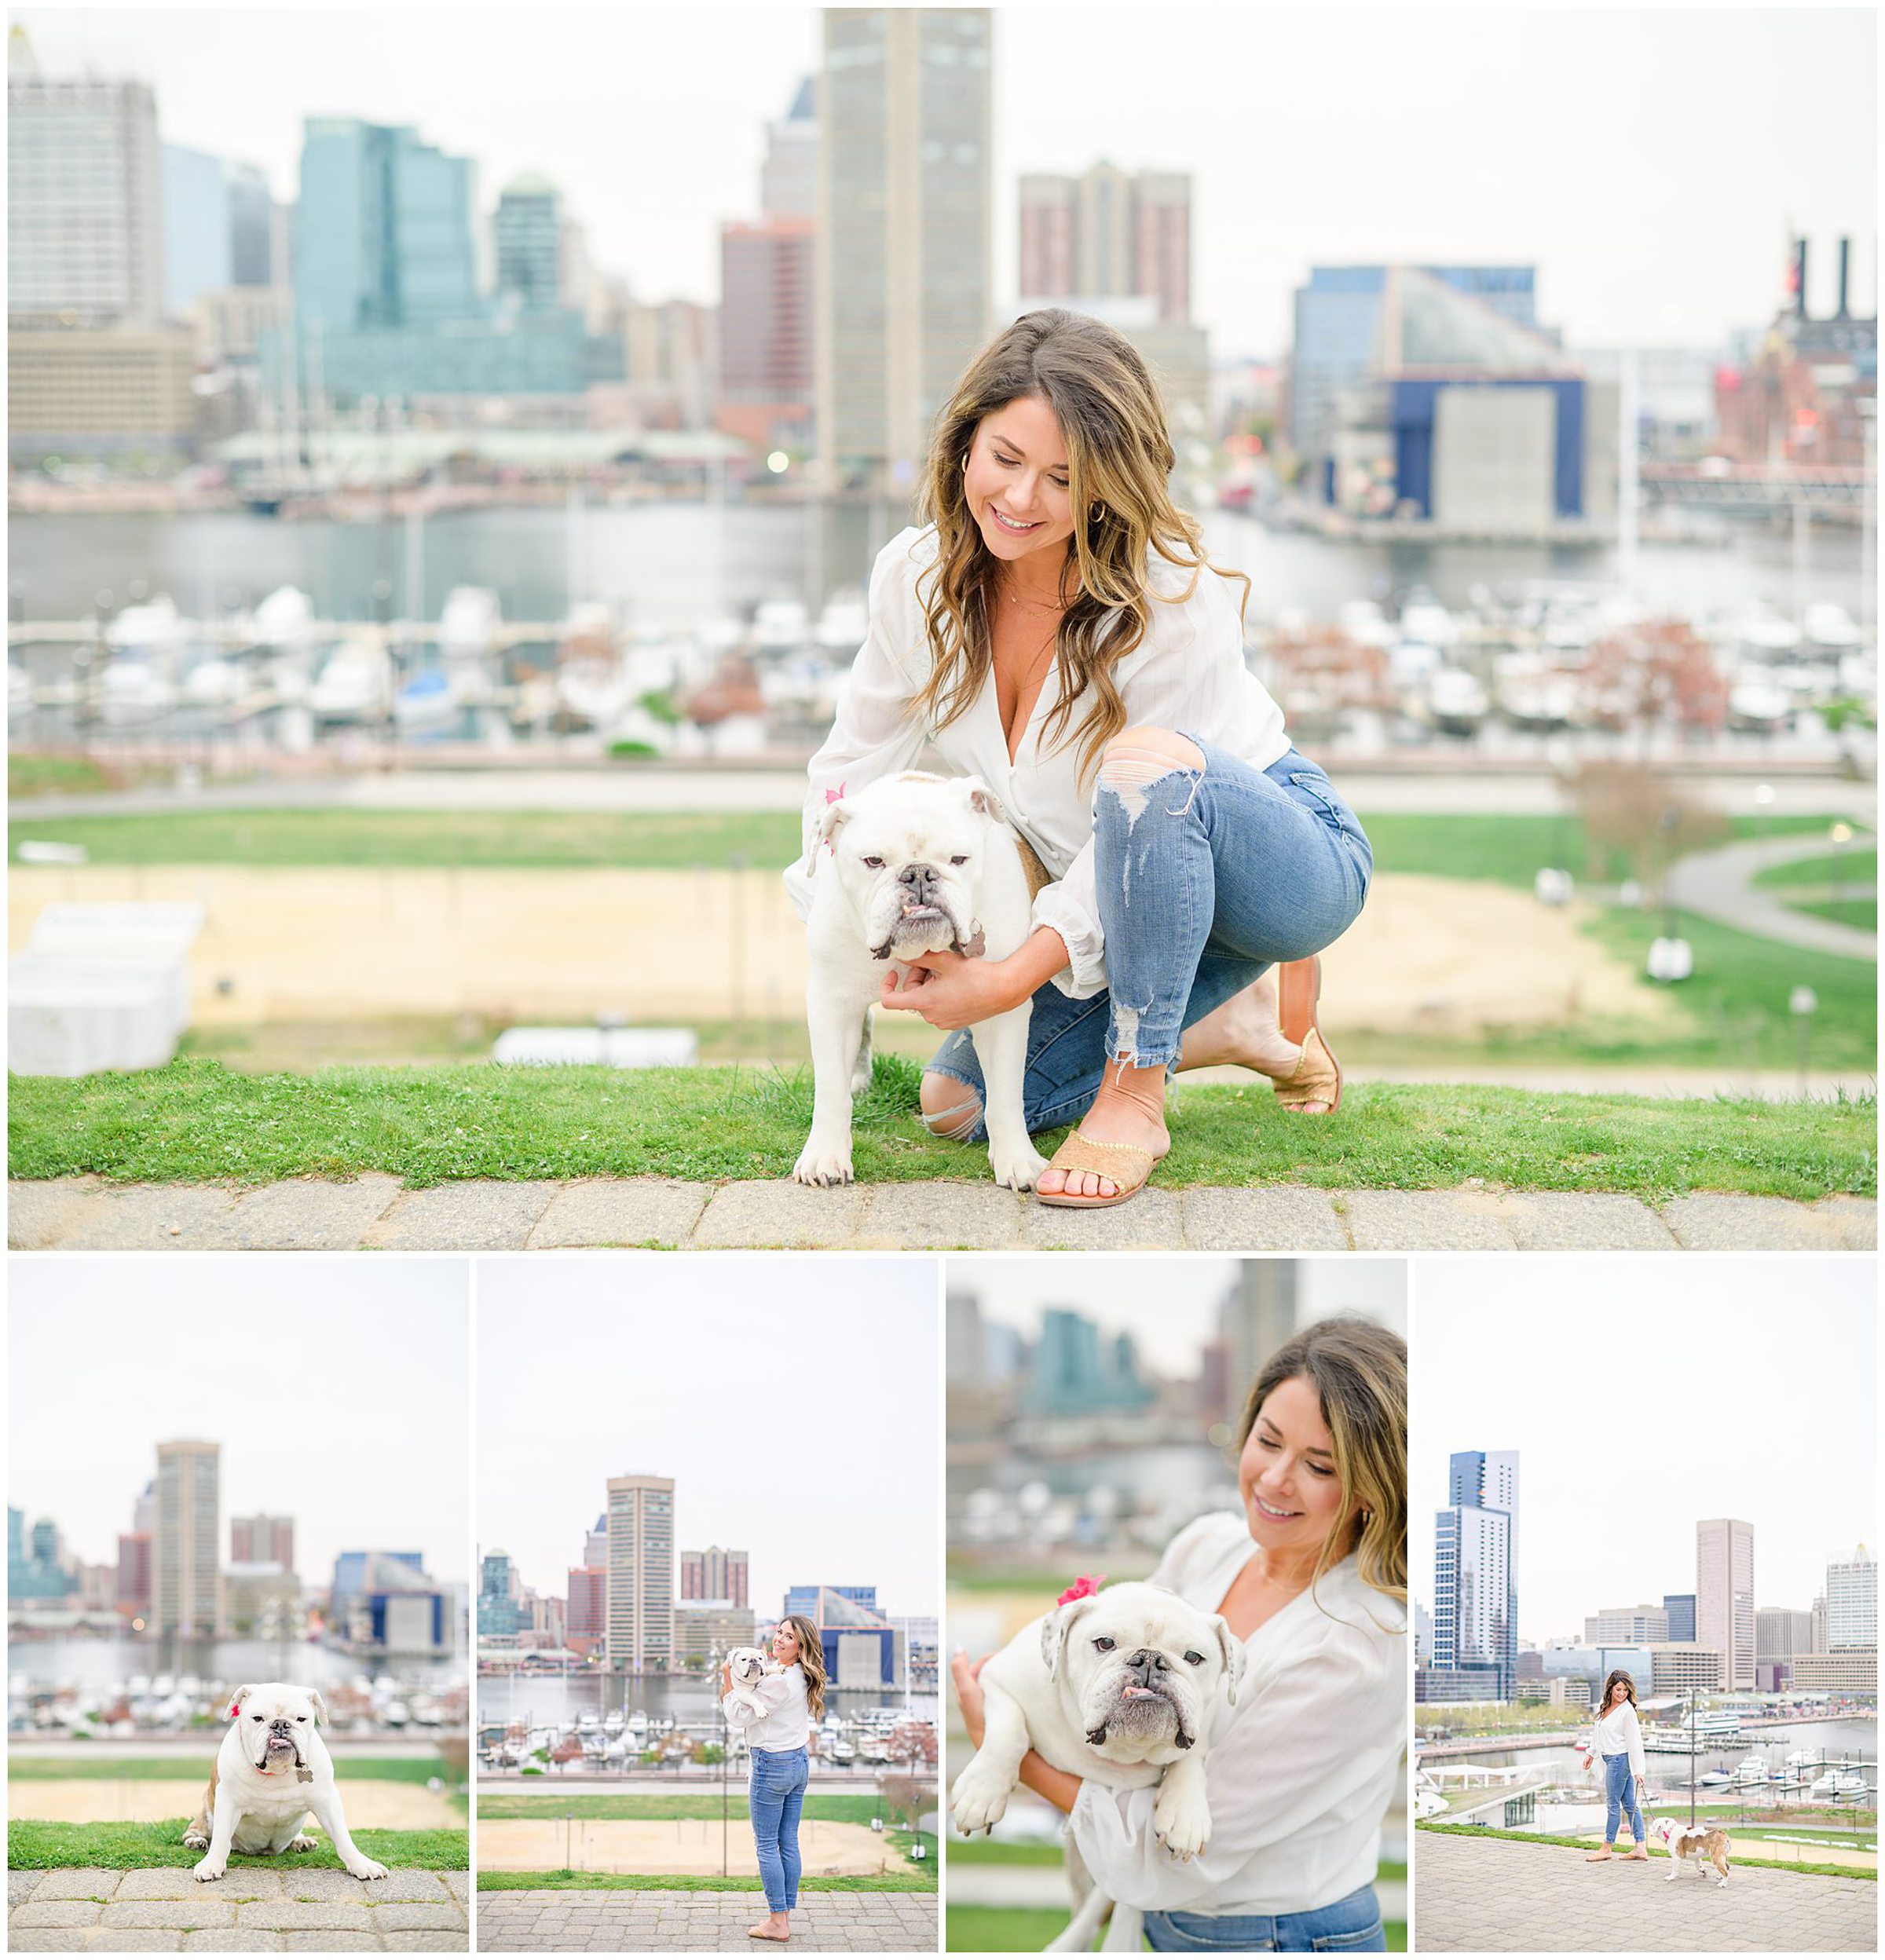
(1677, 1667)
(588, 1615)
(254, 222)
(85, 197)
(1852, 1602)
(904, 227)
(1475, 1583)
(186, 1579)
(715, 1573)
(704, 1627)
(1108, 233)
(262, 1538)
(767, 373)
(1780, 1633)
(198, 234)
(501, 1609)
(1073, 1373)
(1724, 1596)
(788, 176)
(1633, 1625)
(595, 1542)
(641, 1573)
(1680, 1607)
(134, 1573)
(358, 1573)
(527, 231)
(1256, 1317)
(858, 1640)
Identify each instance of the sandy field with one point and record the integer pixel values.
(683, 1846)
(371, 1805)
(1432, 956)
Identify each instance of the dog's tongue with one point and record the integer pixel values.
(1137, 1695)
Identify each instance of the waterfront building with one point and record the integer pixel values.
(36, 1569)
(1676, 1667)
(196, 230)
(501, 1607)
(1257, 1315)
(113, 394)
(588, 1618)
(1073, 1373)
(1680, 1607)
(715, 1573)
(395, 1607)
(260, 1596)
(917, 1650)
(186, 1579)
(1476, 1604)
(1851, 1670)
(355, 1573)
(1634, 1626)
(134, 1573)
(641, 1574)
(904, 225)
(767, 372)
(527, 232)
(1780, 1633)
(595, 1542)
(1437, 1687)
(703, 1627)
(1852, 1602)
(789, 175)
(671, 361)
(1724, 1596)
(549, 1620)
(257, 253)
(1108, 233)
(859, 1642)
(262, 1537)
(804, 1599)
(1423, 1638)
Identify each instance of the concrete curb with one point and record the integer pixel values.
(87, 1214)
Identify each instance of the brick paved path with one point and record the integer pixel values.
(625, 1922)
(314, 1214)
(1497, 1895)
(248, 1911)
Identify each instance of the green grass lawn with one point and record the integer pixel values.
(836, 1809)
(916, 1879)
(55, 776)
(365, 1769)
(1861, 912)
(198, 1120)
(32, 1846)
(1840, 868)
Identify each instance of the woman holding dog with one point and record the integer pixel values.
(1619, 1742)
(791, 1701)
(1312, 1576)
(1055, 629)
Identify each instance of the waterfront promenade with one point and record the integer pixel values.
(609, 1921)
(1501, 1895)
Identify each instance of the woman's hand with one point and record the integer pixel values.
(966, 1675)
(725, 1677)
(951, 991)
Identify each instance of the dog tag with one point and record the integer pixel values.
(304, 1775)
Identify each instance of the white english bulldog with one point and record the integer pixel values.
(749, 1666)
(1702, 1843)
(1122, 1686)
(272, 1770)
(914, 864)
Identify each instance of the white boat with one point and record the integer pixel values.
(1757, 705)
(153, 628)
(1750, 1769)
(213, 683)
(593, 692)
(468, 628)
(1457, 702)
(284, 621)
(131, 689)
(19, 697)
(843, 1750)
(780, 627)
(427, 703)
(1532, 695)
(587, 1721)
(844, 622)
(1826, 625)
(1802, 1759)
(355, 685)
(1714, 1776)
(612, 1721)
(1423, 618)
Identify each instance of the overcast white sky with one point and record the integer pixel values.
(339, 1390)
(1642, 1396)
(795, 1402)
(1168, 1303)
(1648, 161)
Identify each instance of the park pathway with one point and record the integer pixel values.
(636, 1921)
(377, 1213)
(1500, 1895)
(1719, 885)
(85, 1910)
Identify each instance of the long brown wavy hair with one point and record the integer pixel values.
(1359, 1370)
(1616, 1674)
(1119, 459)
(811, 1658)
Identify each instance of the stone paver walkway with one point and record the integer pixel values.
(1498, 1895)
(1719, 884)
(248, 1911)
(87, 1214)
(624, 1922)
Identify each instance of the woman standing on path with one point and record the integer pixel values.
(1618, 1741)
(1312, 1576)
(792, 1699)
(1055, 629)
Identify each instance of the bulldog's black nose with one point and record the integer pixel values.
(1145, 1664)
(919, 880)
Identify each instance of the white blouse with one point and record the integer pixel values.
(1301, 1772)
(1618, 1734)
(786, 1723)
(1188, 674)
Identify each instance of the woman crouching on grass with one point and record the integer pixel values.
(792, 1699)
(1618, 1744)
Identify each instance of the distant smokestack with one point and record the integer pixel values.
(1799, 279)
(1845, 259)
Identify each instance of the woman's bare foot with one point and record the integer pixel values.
(1129, 1109)
(775, 1925)
(1597, 1857)
(1242, 1033)
(1640, 1851)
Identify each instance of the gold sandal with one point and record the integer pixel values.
(1125, 1164)
(1317, 1075)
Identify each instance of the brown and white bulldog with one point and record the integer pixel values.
(272, 1770)
(1702, 1843)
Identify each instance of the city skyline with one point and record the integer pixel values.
(374, 1378)
(1728, 1406)
(1668, 235)
(801, 1428)
(1015, 1293)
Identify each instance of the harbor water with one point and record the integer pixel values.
(691, 1702)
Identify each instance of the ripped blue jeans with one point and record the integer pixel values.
(1205, 878)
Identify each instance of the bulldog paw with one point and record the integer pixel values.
(304, 1843)
(210, 1870)
(196, 1841)
(822, 1167)
(367, 1868)
(1017, 1169)
(1182, 1824)
(978, 1803)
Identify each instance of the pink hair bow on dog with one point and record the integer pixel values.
(834, 795)
(1083, 1588)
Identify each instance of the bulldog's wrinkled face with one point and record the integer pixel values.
(275, 1720)
(747, 1665)
(909, 853)
(1142, 1668)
